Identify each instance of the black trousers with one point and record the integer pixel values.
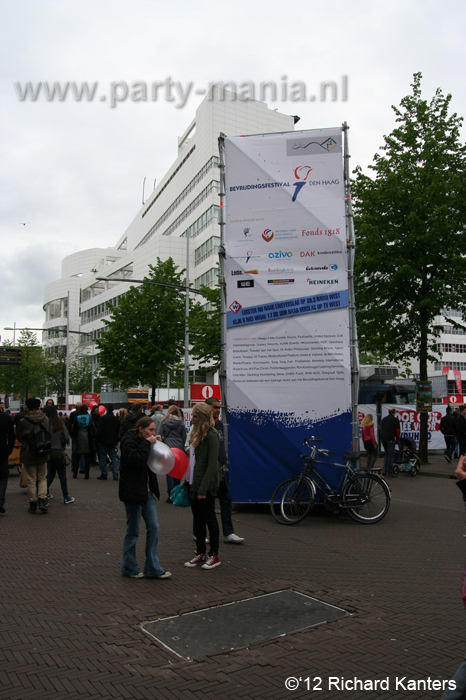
(204, 517)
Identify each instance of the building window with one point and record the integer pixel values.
(208, 278)
(209, 247)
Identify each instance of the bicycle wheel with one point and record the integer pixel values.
(292, 500)
(366, 497)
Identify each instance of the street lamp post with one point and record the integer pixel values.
(187, 289)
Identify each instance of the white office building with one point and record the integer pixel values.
(184, 203)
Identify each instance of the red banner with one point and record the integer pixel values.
(201, 392)
(445, 370)
(457, 375)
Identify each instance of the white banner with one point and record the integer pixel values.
(288, 360)
(410, 422)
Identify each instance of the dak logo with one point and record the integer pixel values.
(235, 307)
(267, 235)
(301, 173)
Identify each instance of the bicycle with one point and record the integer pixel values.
(363, 494)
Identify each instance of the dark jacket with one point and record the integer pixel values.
(24, 431)
(461, 427)
(222, 455)
(7, 436)
(173, 432)
(206, 475)
(390, 428)
(128, 422)
(448, 425)
(136, 479)
(108, 429)
(83, 432)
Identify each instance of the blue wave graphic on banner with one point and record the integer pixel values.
(265, 448)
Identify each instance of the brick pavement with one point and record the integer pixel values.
(71, 624)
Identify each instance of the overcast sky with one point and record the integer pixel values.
(73, 171)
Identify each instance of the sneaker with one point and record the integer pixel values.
(212, 562)
(49, 496)
(166, 574)
(68, 499)
(197, 561)
(43, 505)
(32, 507)
(233, 539)
(447, 458)
(139, 575)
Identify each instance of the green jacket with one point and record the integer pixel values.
(207, 468)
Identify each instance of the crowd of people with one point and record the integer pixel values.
(95, 435)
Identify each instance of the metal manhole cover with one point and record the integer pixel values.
(235, 625)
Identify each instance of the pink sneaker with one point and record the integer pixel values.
(212, 562)
(198, 559)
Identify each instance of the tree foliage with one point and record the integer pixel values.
(410, 228)
(410, 231)
(144, 337)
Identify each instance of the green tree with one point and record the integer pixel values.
(204, 328)
(410, 227)
(144, 338)
(27, 379)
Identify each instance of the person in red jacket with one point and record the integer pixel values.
(368, 438)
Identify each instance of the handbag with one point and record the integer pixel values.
(180, 496)
(66, 459)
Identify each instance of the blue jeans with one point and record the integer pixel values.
(460, 679)
(129, 565)
(389, 448)
(224, 498)
(112, 453)
(4, 472)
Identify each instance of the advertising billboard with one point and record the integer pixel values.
(287, 335)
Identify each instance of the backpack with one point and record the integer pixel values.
(40, 440)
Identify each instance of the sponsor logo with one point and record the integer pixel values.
(285, 233)
(250, 254)
(247, 233)
(325, 252)
(234, 273)
(324, 267)
(280, 281)
(235, 306)
(307, 254)
(309, 281)
(301, 174)
(241, 284)
(320, 232)
(311, 146)
(281, 254)
(280, 269)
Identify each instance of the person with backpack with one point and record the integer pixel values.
(33, 433)
(81, 432)
(60, 439)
